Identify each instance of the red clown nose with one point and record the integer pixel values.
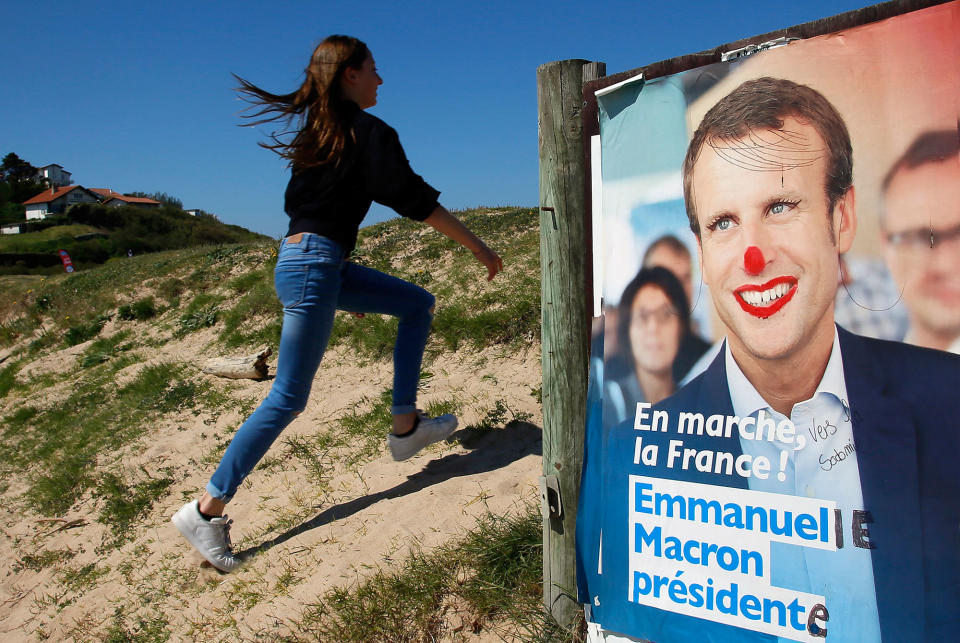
(753, 260)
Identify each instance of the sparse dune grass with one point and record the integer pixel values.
(493, 571)
(104, 349)
(108, 425)
(57, 448)
(470, 311)
(50, 305)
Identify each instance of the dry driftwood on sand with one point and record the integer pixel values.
(253, 367)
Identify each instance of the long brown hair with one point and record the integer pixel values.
(316, 111)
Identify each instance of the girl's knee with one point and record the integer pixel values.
(425, 304)
(290, 403)
(418, 307)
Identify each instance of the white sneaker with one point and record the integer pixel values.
(428, 431)
(209, 537)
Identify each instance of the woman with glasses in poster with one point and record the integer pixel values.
(653, 320)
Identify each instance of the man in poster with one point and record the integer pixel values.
(769, 195)
(921, 224)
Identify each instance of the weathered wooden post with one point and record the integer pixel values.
(565, 333)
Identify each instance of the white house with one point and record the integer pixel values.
(12, 228)
(57, 200)
(55, 175)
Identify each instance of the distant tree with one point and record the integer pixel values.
(11, 213)
(162, 197)
(14, 169)
(18, 182)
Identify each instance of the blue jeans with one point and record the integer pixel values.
(313, 281)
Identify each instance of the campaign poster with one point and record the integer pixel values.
(779, 443)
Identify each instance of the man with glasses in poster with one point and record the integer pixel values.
(921, 241)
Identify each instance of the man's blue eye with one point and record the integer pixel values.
(782, 207)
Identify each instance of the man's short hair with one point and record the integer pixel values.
(929, 147)
(668, 241)
(764, 103)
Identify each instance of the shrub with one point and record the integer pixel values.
(202, 318)
(8, 378)
(104, 348)
(138, 310)
(80, 333)
(202, 312)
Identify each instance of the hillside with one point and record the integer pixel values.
(93, 234)
(109, 426)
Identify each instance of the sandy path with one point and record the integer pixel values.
(301, 538)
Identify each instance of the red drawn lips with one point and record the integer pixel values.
(764, 300)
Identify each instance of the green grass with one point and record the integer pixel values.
(73, 583)
(44, 239)
(493, 573)
(256, 317)
(57, 447)
(80, 579)
(497, 417)
(202, 312)
(470, 312)
(313, 453)
(8, 378)
(247, 281)
(124, 503)
(372, 336)
(79, 333)
(136, 628)
(365, 426)
(104, 349)
(140, 310)
(515, 322)
(63, 300)
(15, 329)
(170, 290)
(122, 229)
(23, 415)
(442, 407)
(41, 560)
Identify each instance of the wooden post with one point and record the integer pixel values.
(565, 328)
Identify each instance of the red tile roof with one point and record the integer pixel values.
(104, 192)
(50, 195)
(131, 199)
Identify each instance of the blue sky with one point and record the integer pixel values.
(137, 96)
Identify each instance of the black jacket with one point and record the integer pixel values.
(332, 199)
